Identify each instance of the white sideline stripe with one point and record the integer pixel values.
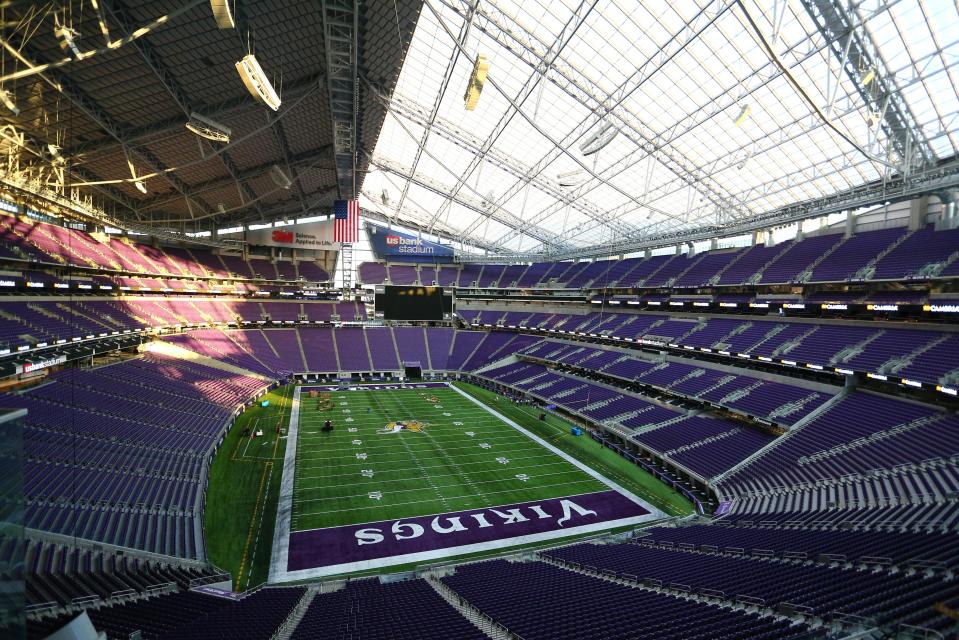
(573, 461)
(284, 507)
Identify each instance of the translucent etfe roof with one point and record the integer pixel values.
(718, 111)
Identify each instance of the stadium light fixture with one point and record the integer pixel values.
(54, 152)
(279, 178)
(142, 188)
(477, 80)
(571, 178)
(743, 114)
(68, 38)
(256, 81)
(869, 77)
(223, 13)
(207, 128)
(599, 139)
(7, 98)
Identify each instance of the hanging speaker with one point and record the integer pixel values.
(223, 13)
(279, 178)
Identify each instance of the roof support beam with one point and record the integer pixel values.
(405, 107)
(307, 158)
(420, 222)
(552, 53)
(486, 210)
(895, 189)
(856, 57)
(117, 11)
(572, 81)
(92, 110)
(33, 143)
(800, 52)
(238, 104)
(280, 135)
(286, 209)
(341, 42)
(447, 76)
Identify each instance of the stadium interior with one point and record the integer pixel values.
(464, 319)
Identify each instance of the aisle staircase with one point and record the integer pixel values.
(299, 342)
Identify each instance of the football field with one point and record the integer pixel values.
(420, 473)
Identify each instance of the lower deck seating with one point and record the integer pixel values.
(537, 601)
(117, 454)
(820, 589)
(368, 609)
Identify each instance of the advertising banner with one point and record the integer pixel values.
(389, 244)
(309, 235)
(29, 367)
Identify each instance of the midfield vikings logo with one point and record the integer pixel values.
(407, 425)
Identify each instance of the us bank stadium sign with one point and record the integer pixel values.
(389, 244)
(310, 235)
(29, 367)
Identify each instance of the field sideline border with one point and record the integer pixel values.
(281, 536)
(565, 456)
(284, 505)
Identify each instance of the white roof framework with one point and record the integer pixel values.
(673, 79)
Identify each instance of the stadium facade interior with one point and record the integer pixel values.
(646, 326)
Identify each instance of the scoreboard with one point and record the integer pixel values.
(412, 302)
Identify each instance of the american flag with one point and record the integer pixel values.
(346, 220)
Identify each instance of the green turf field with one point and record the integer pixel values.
(462, 458)
(245, 478)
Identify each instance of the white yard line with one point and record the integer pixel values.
(416, 460)
(401, 504)
(387, 476)
(364, 448)
(384, 440)
(435, 466)
(444, 452)
(573, 461)
(519, 487)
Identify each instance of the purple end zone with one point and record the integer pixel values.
(373, 387)
(374, 540)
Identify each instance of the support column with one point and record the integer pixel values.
(851, 384)
(850, 224)
(948, 214)
(917, 212)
